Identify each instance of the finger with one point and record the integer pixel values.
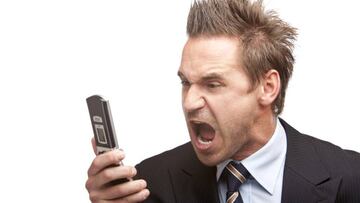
(94, 145)
(105, 160)
(122, 190)
(113, 173)
(137, 197)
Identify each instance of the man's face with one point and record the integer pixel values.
(218, 105)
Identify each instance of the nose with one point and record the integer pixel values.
(192, 99)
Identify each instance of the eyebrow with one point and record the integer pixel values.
(212, 76)
(206, 77)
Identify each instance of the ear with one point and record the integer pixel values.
(270, 87)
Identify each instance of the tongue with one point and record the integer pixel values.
(206, 132)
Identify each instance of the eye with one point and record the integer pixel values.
(213, 85)
(185, 83)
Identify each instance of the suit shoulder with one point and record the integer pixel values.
(335, 159)
(340, 163)
(331, 151)
(326, 150)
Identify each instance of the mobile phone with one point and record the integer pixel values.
(103, 127)
(102, 124)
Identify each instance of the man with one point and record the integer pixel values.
(234, 70)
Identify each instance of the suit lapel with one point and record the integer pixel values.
(194, 182)
(305, 178)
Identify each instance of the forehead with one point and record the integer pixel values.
(208, 55)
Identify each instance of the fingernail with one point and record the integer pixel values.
(133, 171)
(120, 153)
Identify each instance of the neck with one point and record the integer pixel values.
(259, 134)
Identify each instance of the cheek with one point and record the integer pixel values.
(229, 107)
(235, 113)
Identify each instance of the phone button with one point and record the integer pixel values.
(97, 119)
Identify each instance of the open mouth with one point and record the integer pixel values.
(204, 132)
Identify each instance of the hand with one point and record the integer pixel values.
(104, 169)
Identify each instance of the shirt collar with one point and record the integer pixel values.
(265, 164)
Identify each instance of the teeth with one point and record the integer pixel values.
(202, 141)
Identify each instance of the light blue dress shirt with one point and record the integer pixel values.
(266, 167)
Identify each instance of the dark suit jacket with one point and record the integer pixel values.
(315, 171)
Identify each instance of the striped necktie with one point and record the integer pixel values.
(236, 174)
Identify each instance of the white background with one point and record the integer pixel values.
(54, 54)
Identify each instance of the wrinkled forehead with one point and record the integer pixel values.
(209, 56)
